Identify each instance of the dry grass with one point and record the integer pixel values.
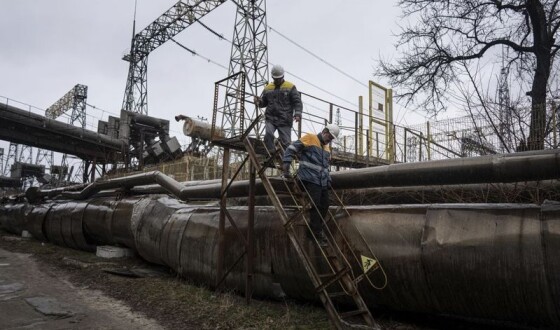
(173, 302)
(177, 304)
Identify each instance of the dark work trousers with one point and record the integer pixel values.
(320, 196)
(284, 133)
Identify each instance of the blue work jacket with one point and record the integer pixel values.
(314, 159)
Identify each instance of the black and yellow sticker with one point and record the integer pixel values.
(368, 263)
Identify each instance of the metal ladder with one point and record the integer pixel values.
(330, 271)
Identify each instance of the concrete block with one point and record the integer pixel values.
(107, 251)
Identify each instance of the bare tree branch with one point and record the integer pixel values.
(446, 33)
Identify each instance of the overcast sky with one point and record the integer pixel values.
(47, 47)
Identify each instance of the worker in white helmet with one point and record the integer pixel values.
(314, 154)
(283, 106)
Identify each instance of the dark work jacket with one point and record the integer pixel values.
(281, 102)
(314, 159)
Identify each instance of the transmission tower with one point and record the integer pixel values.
(74, 100)
(249, 54)
(45, 156)
(504, 106)
(13, 154)
(338, 118)
(25, 154)
(1, 161)
(169, 24)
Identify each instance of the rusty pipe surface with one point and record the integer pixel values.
(489, 261)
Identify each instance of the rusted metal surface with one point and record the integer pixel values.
(490, 261)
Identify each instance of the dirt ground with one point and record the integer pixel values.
(149, 296)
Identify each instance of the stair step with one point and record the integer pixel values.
(333, 278)
(353, 313)
(338, 294)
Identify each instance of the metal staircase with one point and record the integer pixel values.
(334, 268)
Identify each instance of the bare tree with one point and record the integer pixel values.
(450, 33)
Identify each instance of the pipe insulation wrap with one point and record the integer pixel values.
(490, 261)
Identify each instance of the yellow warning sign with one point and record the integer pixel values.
(368, 263)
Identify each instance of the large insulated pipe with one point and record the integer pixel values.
(156, 123)
(489, 261)
(170, 185)
(518, 192)
(526, 166)
(10, 113)
(517, 167)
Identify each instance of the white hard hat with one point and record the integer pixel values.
(277, 71)
(333, 129)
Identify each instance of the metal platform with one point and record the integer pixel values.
(339, 158)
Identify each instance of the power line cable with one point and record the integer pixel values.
(196, 54)
(317, 57)
(323, 90)
(219, 35)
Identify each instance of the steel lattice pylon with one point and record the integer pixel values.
(13, 154)
(249, 54)
(505, 111)
(169, 24)
(75, 100)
